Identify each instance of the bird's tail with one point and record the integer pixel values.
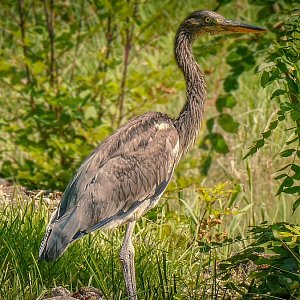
(59, 234)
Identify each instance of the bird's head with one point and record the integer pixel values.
(208, 22)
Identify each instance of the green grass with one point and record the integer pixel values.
(170, 262)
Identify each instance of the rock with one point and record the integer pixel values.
(88, 293)
(11, 194)
(16, 195)
(84, 293)
(59, 293)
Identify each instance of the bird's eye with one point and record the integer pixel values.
(207, 20)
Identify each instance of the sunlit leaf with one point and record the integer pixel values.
(296, 204)
(264, 79)
(277, 93)
(292, 190)
(295, 115)
(287, 152)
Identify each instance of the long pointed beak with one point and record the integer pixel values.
(234, 26)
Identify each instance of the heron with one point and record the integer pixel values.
(125, 176)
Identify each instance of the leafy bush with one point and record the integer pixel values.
(281, 69)
(274, 255)
(274, 261)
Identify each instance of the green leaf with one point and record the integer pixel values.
(296, 204)
(260, 143)
(230, 84)
(252, 151)
(90, 112)
(223, 2)
(288, 182)
(287, 152)
(295, 115)
(266, 134)
(227, 101)
(292, 55)
(38, 67)
(273, 125)
(278, 93)
(292, 85)
(289, 265)
(282, 67)
(280, 176)
(249, 60)
(295, 168)
(292, 190)
(233, 58)
(292, 141)
(210, 124)
(228, 124)
(264, 80)
(296, 176)
(219, 143)
(285, 107)
(206, 165)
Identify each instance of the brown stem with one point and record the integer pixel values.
(127, 47)
(102, 66)
(50, 28)
(25, 50)
(109, 39)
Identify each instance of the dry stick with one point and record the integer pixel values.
(49, 13)
(25, 52)
(127, 48)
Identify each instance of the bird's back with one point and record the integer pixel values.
(121, 179)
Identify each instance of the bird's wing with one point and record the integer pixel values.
(132, 165)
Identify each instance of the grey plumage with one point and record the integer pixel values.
(127, 173)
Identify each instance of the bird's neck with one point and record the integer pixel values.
(189, 120)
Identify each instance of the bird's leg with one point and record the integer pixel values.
(127, 260)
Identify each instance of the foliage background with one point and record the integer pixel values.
(71, 72)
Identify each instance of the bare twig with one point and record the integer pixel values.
(50, 27)
(25, 50)
(127, 47)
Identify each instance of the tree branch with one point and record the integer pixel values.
(50, 28)
(127, 47)
(25, 52)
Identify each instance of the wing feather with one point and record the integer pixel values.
(132, 165)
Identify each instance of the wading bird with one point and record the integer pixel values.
(128, 172)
